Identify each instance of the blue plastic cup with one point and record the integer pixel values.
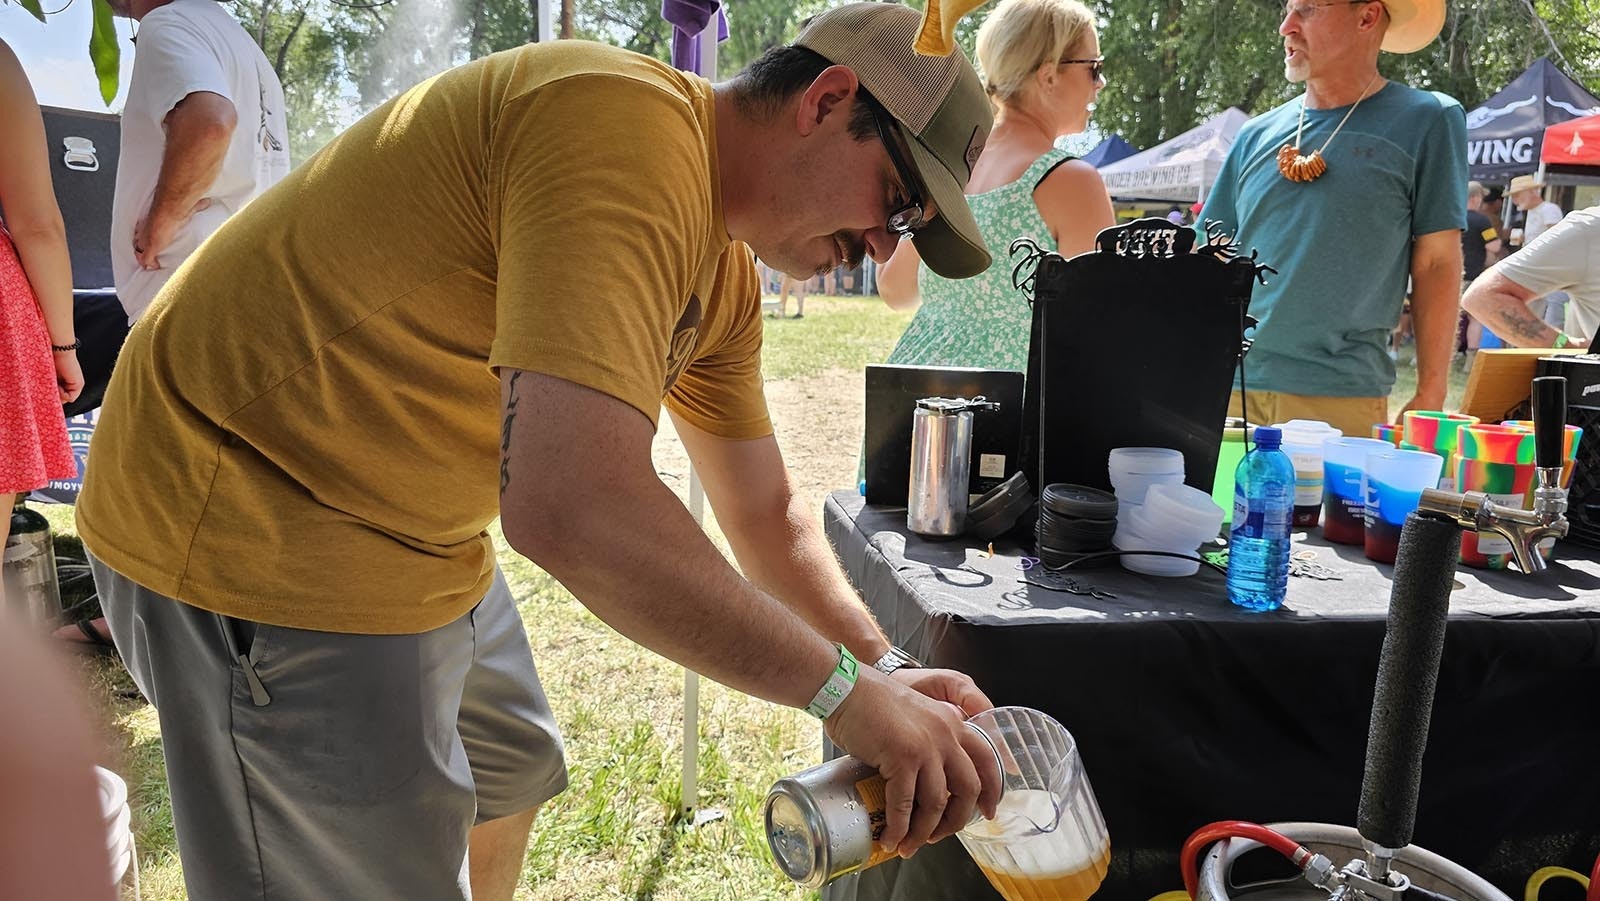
(1344, 493)
(1395, 480)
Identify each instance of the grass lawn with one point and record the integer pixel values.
(613, 834)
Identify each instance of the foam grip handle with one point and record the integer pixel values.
(1549, 419)
(1408, 670)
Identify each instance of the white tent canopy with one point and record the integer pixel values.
(1182, 169)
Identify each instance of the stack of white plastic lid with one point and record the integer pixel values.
(1174, 518)
(1134, 469)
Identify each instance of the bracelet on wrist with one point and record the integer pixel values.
(64, 348)
(837, 688)
(895, 659)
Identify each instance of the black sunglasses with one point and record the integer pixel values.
(908, 218)
(1097, 65)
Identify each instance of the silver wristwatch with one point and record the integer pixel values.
(895, 659)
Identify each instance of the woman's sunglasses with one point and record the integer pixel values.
(1097, 65)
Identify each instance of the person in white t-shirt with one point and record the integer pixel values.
(1527, 192)
(203, 133)
(1539, 215)
(1563, 258)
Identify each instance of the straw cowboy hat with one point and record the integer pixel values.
(1413, 24)
(1524, 183)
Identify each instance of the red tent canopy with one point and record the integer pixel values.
(1572, 143)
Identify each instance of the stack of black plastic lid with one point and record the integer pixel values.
(999, 509)
(1074, 522)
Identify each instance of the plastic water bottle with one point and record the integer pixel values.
(1263, 511)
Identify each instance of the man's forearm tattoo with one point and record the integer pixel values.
(1526, 326)
(505, 433)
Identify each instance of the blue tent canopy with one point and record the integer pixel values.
(1108, 151)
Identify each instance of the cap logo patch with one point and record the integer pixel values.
(975, 148)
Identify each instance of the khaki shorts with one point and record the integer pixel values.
(363, 774)
(1354, 416)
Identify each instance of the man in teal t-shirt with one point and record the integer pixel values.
(1371, 191)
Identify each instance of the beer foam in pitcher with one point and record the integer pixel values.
(1025, 864)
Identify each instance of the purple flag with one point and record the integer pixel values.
(689, 18)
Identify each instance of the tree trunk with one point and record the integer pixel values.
(566, 19)
(283, 49)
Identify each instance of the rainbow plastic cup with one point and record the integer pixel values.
(1498, 461)
(1384, 431)
(1344, 491)
(1395, 479)
(1571, 436)
(1436, 433)
(1496, 443)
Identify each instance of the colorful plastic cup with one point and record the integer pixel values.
(1437, 433)
(1344, 494)
(1228, 456)
(1510, 484)
(1496, 444)
(1571, 436)
(1302, 441)
(1384, 431)
(1395, 480)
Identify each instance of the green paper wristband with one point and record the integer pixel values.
(837, 688)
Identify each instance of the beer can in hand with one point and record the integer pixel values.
(825, 822)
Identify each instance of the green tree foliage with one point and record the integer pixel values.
(306, 43)
(1172, 63)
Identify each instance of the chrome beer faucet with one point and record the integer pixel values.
(1524, 529)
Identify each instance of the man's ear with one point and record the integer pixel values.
(1374, 18)
(830, 93)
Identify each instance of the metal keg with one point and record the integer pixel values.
(1424, 868)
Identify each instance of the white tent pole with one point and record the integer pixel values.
(708, 50)
(691, 682)
(690, 795)
(547, 29)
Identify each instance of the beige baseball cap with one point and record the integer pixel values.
(940, 110)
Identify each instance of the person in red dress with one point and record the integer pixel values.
(38, 352)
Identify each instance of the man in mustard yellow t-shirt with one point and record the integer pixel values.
(472, 304)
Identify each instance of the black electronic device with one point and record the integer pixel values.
(892, 394)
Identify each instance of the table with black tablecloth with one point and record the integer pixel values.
(1188, 709)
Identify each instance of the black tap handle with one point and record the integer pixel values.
(1408, 673)
(1549, 419)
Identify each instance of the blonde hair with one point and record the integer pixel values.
(1022, 35)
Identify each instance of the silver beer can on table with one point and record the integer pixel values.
(941, 463)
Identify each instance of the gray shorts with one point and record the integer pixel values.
(363, 774)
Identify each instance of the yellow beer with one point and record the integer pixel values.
(1057, 861)
(1076, 885)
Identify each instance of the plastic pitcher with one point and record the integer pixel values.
(1048, 841)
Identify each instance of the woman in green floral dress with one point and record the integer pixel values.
(1040, 61)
